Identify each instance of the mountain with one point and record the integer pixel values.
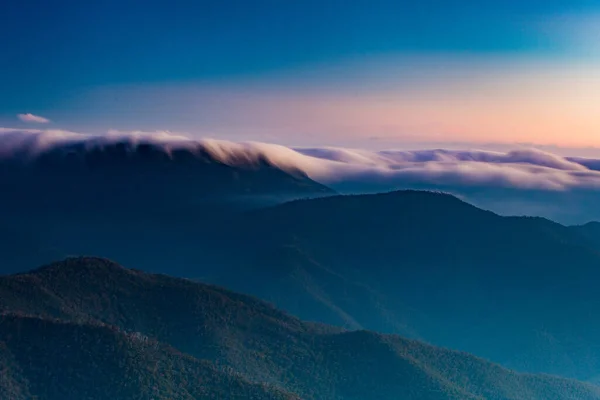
(141, 336)
(519, 291)
(142, 175)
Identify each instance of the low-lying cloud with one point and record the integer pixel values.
(515, 182)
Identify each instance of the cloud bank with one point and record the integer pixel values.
(33, 118)
(515, 182)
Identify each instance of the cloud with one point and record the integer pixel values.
(519, 169)
(26, 144)
(513, 182)
(523, 169)
(33, 118)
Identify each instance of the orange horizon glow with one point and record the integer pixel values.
(448, 100)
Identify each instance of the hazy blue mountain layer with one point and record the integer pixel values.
(141, 336)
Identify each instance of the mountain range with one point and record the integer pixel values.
(130, 188)
(125, 334)
(519, 291)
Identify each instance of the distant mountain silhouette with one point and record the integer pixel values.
(86, 327)
(589, 231)
(147, 176)
(520, 291)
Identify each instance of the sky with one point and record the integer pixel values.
(371, 74)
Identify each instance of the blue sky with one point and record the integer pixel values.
(218, 67)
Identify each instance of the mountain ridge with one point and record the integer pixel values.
(422, 260)
(105, 176)
(241, 334)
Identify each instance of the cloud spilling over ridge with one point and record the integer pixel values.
(26, 144)
(520, 169)
(506, 182)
